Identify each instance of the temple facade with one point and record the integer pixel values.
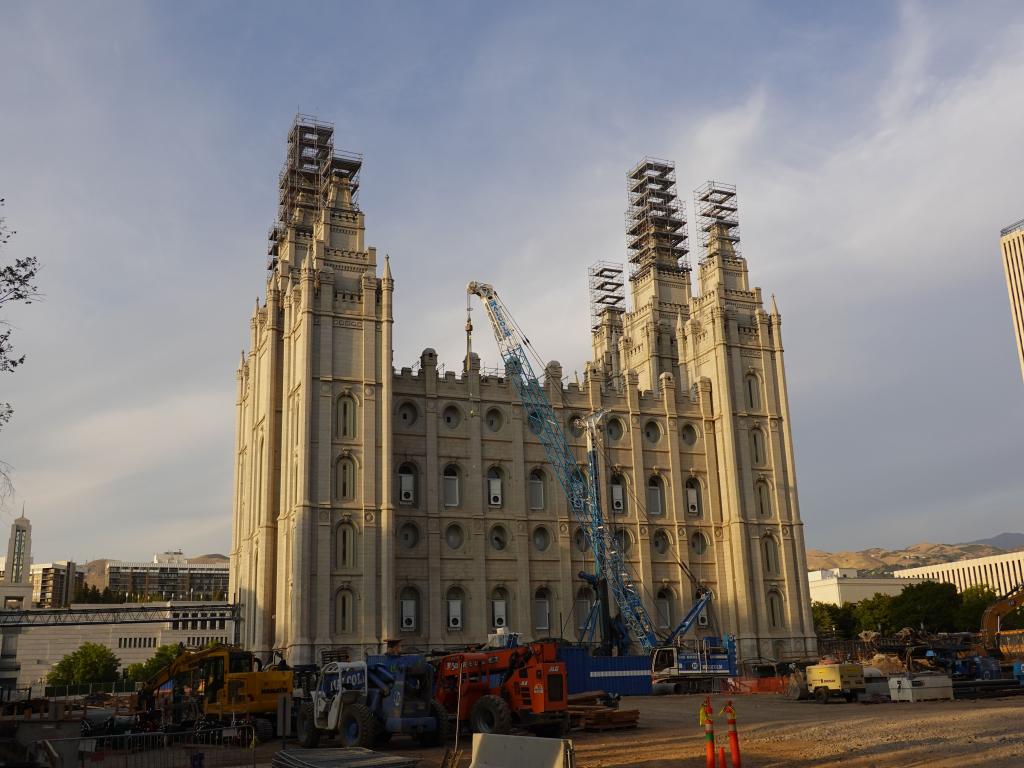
(373, 504)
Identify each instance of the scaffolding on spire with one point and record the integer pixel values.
(607, 290)
(655, 219)
(310, 164)
(717, 209)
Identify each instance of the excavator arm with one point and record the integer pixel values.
(1009, 603)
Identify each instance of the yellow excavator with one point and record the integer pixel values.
(1009, 644)
(221, 684)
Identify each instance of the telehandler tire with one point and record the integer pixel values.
(305, 727)
(358, 727)
(491, 715)
(440, 735)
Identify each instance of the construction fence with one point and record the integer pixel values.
(228, 747)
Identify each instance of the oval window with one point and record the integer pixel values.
(407, 414)
(452, 417)
(453, 536)
(614, 429)
(499, 537)
(661, 542)
(689, 434)
(699, 543)
(409, 535)
(652, 432)
(494, 420)
(541, 538)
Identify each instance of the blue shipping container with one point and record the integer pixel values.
(624, 675)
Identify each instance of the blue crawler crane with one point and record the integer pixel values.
(611, 578)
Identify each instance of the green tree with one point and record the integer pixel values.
(973, 602)
(91, 663)
(138, 673)
(929, 604)
(875, 614)
(837, 619)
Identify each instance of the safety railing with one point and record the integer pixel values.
(224, 747)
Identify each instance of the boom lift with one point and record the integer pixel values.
(612, 574)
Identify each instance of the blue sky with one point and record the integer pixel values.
(876, 147)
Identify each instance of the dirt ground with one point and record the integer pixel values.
(777, 732)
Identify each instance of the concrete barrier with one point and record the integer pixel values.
(494, 751)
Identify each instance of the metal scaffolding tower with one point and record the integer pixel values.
(311, 163)
(718, 223)
(607, 290)
(655, 219)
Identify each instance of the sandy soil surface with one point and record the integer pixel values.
(777, 732)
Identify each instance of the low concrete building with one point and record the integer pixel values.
(846, 585)
(1001, 573)
(40, 648)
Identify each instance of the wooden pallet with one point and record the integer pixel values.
(598, 718)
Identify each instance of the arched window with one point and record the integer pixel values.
(770, 549)
(536, 489)
(542, 609)
(346, 416)
(345, 552)
(752, 391)
(344, 611)
(494, 494)
(655, 497)
(499, 608)
(618, 486)
(663, 603)
(345, 479)
(407, 484)
(409, 609)
(775, 615)
(694, 503)
(757, 446)
(455, 599)
(764, 499)
(450, 486)
(584, 605)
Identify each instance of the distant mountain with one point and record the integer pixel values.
(878, 561)
(215, 558)
(1011, 542)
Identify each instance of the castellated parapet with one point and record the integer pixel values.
(373, 504)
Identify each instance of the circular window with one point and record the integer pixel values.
(615, 429)
(581, 540)
(623, 540)
(407, 414)
(661, 542)
(652, 431)
(575, 425)
(541, 538)
(453, 536)
(699, 543)
(494, 420)
(499, 537)
(452, 416)
(409, 535)
(689, 434)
